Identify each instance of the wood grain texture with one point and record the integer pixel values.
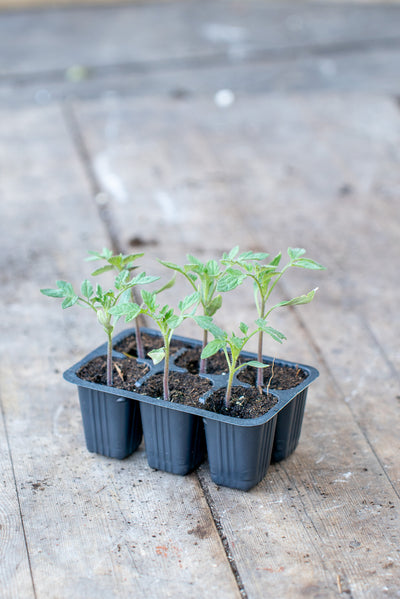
(185, 48)
(283, 165)
(15, 575)
(242, 176)
(158, 35)
(94, 526)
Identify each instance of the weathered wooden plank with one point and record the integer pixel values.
(94, 526)
(15, 573)
(151, 33)
(371, 71)
(322, 521)
(243, 176)
(40, 4)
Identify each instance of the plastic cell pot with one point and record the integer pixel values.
(177, 437)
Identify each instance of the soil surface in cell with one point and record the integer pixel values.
(188, 389)
(125, 372)
(128, 345)
(276, 376)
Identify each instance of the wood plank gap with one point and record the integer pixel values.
(211, 60)
(3, 416)
(99, 195)
(382, 350)
(98, 192)
(222, 535)
(336, 385)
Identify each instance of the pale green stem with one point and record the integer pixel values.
(109, 361)
(260, 371)
(139, 343)
(231, 365)
(203, 361)
(228, 392)
(166, 369)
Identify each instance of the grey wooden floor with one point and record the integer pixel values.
(112, 135)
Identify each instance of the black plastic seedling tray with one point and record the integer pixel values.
(177, 436)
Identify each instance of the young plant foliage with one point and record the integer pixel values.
(106, 304)
(124, 265)
(232, 345)
(265, 278)
(204, 277)
(166, 320)
(100, 301)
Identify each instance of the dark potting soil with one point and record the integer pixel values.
(184, 388)
(245, 402)
(284, 377)
(125, 372)
(190, 360)
(128, 345)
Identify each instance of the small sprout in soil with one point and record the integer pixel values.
(124, 265)
(203, 277)
(265, 277)
(100, 301)
(166, 320)
(232, 345)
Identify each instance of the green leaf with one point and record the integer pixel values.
(203, 321)
(67, 287)
(166, 312)
(125, 297)
(87, 289)
(53, 292)
(295, 253)
(206, 322)
(174, 321)
(307, 263)
(93, 256)
(188, 301)
(130, 310)
(102, 270)
(212, 348)
(99, 292)
(121, 309)
(157, 355)
(233, 252)
(143, 279)
(149, 299)
(194, 260)
(117, 261)
(121, 278)
(274, 333)
(256, 364)
(69, 301)
(275, 261)
(172, 266)
(212, 268)
(105, 255)
(167, 285)
(236, 341)
(230, 280)
(199, 269)
(131, 258)
(252, 256)
(301, 299)
(103, 318)
(214, 305)
(244, 328)
(134, 312)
